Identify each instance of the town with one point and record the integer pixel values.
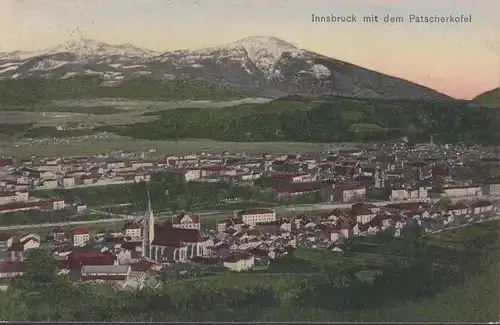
(358, 191)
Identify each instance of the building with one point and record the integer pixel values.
(68, 182)
(105, 272)
(132, 229)
(9, 269)
(492, 187)
(239, 262)
(80, 236)
(169, 244)
(349, 192)
(462, 191)
(186, 221)
(58, 234)
(13, 197)
(257, 215)
(403, 194)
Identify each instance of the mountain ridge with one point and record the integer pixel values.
(490, 98)
(257, 66)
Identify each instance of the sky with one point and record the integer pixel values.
(461, 60)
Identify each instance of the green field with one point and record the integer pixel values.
(87, 147)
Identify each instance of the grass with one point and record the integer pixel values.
(96, 110)
(457, 237)
(97, 146)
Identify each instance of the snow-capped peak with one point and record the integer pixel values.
(88, 47)
(83, 47)
(263, 51)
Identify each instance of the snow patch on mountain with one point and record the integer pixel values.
(11, 68)
(47, 65)
(320, 71)
(69, 75)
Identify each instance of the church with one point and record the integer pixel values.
(167, 244)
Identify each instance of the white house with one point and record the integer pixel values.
(238, 263)
(80, 236)
(186, 221)
(257, 215)
(132, 229)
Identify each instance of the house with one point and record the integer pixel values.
(57, 203)
(68, 182)
(132, 229)
(58, 234)
(363, 212)
(402, 194)
(458, 209)
(76, 259)
(239, 262)
(186, 221)
(5, 241)
(334, 234)
(13, 197)
(481, 207)
(80, 236)
(253, 216)
(349, 192)
(230, 222)
(105, 272)
(81, 208)
(9, 269)
(49, 183)
(462, 191)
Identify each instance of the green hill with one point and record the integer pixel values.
(490, 98)
(29, 91)
(325, 119)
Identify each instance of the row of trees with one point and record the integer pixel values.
(169, 191)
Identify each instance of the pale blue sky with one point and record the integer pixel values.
(452, 58)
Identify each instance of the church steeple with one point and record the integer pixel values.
(151, 221)
(148, 229)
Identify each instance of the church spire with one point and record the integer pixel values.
(151, 220)
(148, 229)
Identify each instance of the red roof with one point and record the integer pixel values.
(141, 266)
(481, 204)
(215, 169)
(458, 206)
(285, 175)
(255, 211)
(349, 187)
(175, 237)
(177, 219)
(301, 187)
(4, 162)
(132, 225)
(79, 231)
(12, 267)
(77, 259)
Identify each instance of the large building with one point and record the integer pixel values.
(167, 244)
(186, 221)
(254, 216)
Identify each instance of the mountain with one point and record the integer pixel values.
(490, 98)
(257, 66)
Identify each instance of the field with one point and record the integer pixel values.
(105, 111)
(162, 148)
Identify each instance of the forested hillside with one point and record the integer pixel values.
(326, 119)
